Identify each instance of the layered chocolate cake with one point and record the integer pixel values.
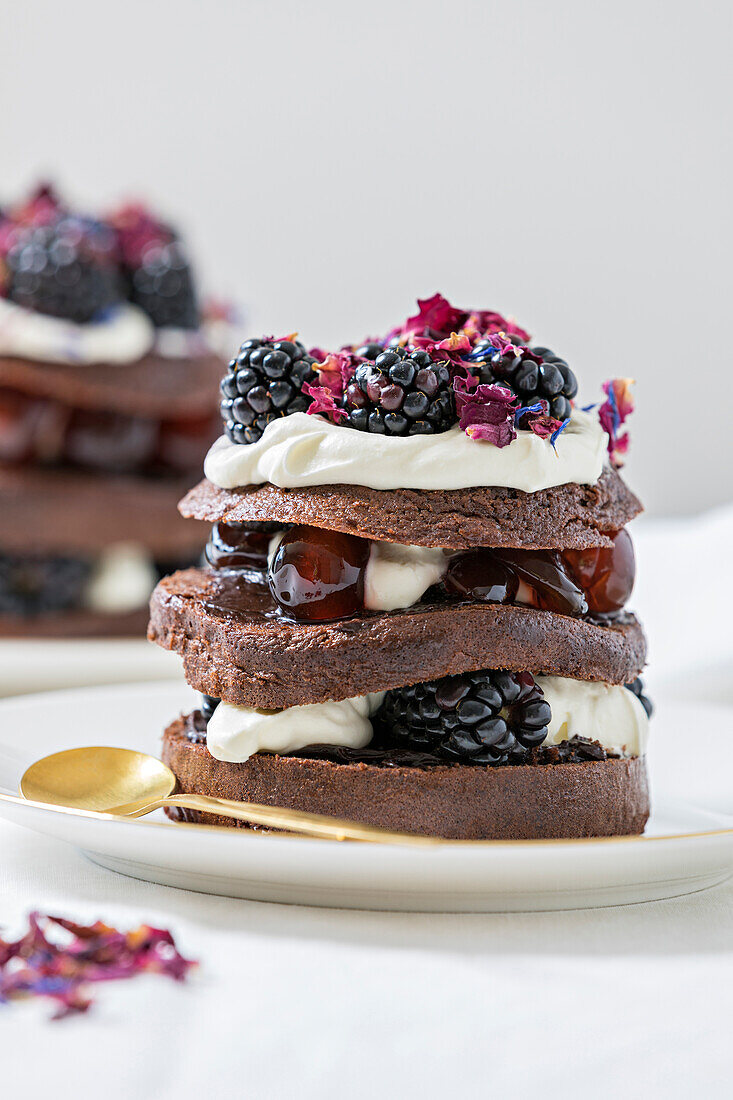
(107, 407)
(414, 612)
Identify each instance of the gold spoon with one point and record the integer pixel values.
(130, 784)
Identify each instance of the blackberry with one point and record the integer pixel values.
(162, 285)
(263, 383)
(39, 585)
(64, 270)
(489, 717)
(370, 350)
(636, 687)
(209, 703)
(533, 374)
(401, 392)
(194, 727)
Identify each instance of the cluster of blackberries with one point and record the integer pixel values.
(163, 287)
(488, 717)
(263, 383)
(74, 267)
(39, 585)
(400, 392)
(534, 375)
(394, 390)
(64, 270)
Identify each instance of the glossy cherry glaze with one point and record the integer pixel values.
(481, 575)
(534, 578)
(606, 574)
(38, 430)
(237, 546)
(317, 575)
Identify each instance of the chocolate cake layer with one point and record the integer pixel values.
(460, 802)
(77, 624)
(49, 511)
(565, 517)
(235, 645)
(153, 386)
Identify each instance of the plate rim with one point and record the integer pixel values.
(164, 685)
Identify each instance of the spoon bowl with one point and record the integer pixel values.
(131, 784)
(97, 778)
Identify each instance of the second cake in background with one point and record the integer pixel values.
(108, 381)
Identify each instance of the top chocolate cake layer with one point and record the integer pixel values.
(568, 516)
(153, 386)
(236, 645)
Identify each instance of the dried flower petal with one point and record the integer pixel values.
(486, 412)
(324, 403)
(60, 967)
(613, 412)
(436, 319)
(336, 370)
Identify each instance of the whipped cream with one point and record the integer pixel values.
(180, 343)
(308, 450)
(123, 579)
(608, 713)
(123, 335)
(398, 575)
(236, 733)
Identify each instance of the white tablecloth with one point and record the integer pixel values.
(291, 1002)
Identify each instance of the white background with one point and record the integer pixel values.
(569, 163)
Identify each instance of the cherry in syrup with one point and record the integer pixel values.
(481, 575)
(237, 546)
(494, 576)
(549, 586)
(318, 575)
(605, 573)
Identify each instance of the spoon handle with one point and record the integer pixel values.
(276, 817)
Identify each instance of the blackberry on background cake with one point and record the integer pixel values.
(414, 608)
(107, 407)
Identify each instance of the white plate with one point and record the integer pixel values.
(688, 846)
(35, 664)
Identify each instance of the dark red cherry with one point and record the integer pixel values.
(237, 546)
(110, 441)
(481, 575)
(606, 573)
(318, 575)
(182, 444)
(551, 587)
(31, 429)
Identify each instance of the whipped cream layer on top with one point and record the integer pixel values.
(607, 713)
(123, 335)
(302, 450)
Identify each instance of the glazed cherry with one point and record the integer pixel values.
(182, 444)
(31, 429)
(547, 583)
(237, 546)
(481, 575)
(318, 575)
(536, 578)
(606, 573)
(110, 441)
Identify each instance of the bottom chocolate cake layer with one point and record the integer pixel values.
(458, 802)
